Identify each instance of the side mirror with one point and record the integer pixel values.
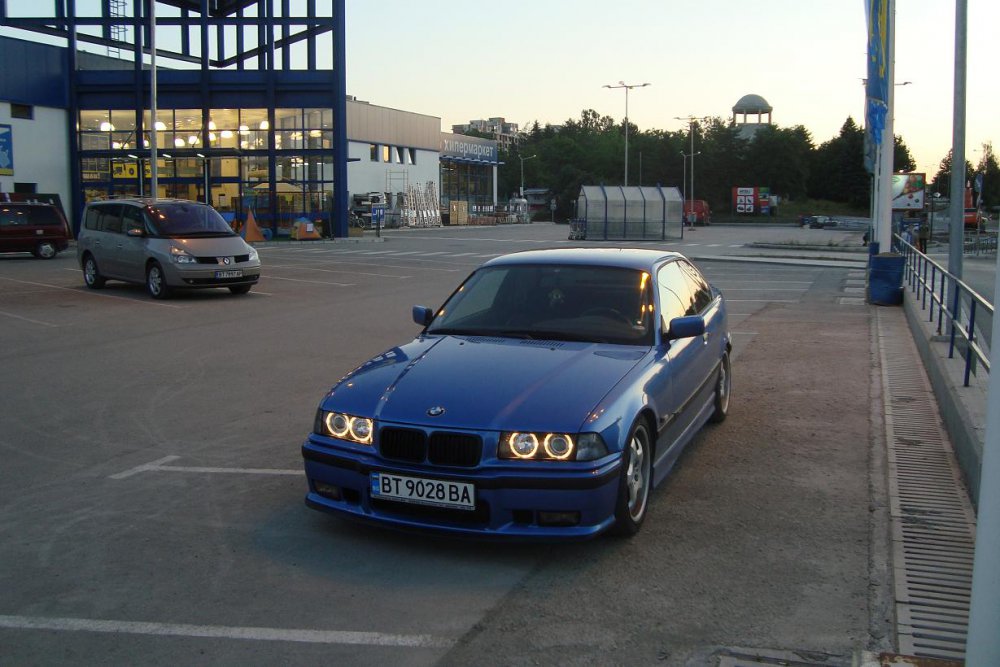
(686, 327)
(136, 231)
(422, 315)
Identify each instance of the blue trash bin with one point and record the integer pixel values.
(885, 279)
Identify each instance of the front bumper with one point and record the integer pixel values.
(508, 503)
(205, 275)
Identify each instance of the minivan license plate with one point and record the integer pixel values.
(436, 492)
(233, 273)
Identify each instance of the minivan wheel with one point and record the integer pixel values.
(91, 276)
(45, 250)
(240, 289)
(156, 283)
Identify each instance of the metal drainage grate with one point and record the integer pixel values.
(933, 525)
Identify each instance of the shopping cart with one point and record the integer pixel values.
(577, 230)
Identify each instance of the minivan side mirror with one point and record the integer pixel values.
(136, 231)
(422, 315)
(685, 327)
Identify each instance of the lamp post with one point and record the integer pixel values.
(627, 87)
(522, 172)
(691, 120)
(686, 156)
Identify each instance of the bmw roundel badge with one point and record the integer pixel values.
(436, 411)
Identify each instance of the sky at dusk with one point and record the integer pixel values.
(547, 60)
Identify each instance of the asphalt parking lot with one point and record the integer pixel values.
(151, 486)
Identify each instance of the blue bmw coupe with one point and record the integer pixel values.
(545, 399)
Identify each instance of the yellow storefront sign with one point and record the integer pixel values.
(129, 170)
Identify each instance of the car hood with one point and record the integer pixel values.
(485, 383)
(208, 247)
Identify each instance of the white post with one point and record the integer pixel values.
(626, 136)
(152, 101)
(887, 146)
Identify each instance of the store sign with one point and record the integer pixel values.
(6, 150)
(129, 170)
(468, 148)
(752, 201)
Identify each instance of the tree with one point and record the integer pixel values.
(779, 158)
(942, 180)
(991, 176)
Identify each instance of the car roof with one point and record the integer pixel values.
(146, 201)
(640, 259)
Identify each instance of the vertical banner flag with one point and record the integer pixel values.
(877, 84)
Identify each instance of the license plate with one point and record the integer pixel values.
(436, 492)
(233, 273)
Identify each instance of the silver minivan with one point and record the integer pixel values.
(165, 244)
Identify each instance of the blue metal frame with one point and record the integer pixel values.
(928, 288)
(210, 86)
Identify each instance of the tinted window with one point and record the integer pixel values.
(92, 219)
(132, 218)
(111, 220)
(29, 215)
(182, 219)
(676, 299)
(700, 289)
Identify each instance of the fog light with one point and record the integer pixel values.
(328, 490)
(559, 518)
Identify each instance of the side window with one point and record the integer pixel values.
(675, 295)
(700, 290)
(132, 219)
(111, 220)
(92, 220)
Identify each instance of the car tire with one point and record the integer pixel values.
(92, 277)
(45, 250)
(636, 480)
(723, 390)
(240, 289)
(156, 282)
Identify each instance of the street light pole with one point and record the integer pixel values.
(690, 120)
(627, 87)
(522, 171)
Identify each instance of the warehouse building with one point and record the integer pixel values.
(248, 116)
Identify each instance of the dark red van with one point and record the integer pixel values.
(40, 229)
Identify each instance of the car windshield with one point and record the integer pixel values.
(552, 302)
(179, 219)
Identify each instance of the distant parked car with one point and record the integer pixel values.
(822, 222)
(165, 244)
(545, 399)
(40, 229)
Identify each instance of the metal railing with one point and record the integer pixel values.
(967, 315)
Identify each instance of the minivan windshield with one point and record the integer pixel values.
(181, 219)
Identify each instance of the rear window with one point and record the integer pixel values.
(179, 219)
(34, 216)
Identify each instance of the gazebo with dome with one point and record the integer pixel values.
(750, 105)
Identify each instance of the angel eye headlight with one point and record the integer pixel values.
(361, 430)
(523, 445)
(558, 445)
(337, 424)
(346, 427)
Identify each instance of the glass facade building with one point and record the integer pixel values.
(250, 98)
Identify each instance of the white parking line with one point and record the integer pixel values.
(314, 282)
(92, 293)
(27, 319)
(224, 632)
(160, 465)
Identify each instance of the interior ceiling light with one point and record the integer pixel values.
(178, 142)
(211, 136)
(193, 139)
(227, 134)
(211, 124)
(264, 125)
(160, 126)
(244, 129)
(107, 127)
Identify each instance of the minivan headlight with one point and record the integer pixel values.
(182, 256)
(252, 255)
